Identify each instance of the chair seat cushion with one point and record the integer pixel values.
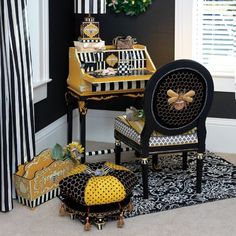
(133, 129)
(98, 184)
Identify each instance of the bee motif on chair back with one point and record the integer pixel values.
(176, 110)
(180, 100)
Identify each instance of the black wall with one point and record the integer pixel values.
(155, 29)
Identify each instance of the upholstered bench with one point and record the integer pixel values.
(97, 190)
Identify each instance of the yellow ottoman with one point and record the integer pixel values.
(97, 190)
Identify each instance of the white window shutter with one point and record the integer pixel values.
(214, 36)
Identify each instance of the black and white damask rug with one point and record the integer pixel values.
(171, 187)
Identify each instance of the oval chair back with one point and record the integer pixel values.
(177, 98)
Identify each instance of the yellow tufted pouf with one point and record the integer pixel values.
(97, 190)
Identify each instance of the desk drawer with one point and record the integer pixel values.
(116, 86)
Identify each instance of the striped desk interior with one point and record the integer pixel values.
(97, 61)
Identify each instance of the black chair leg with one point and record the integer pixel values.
(199, 172)
(185, 160)
(145, 177)
(117, 151)
(137, 154)
(155, 162)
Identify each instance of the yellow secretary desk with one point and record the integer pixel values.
(89, 80)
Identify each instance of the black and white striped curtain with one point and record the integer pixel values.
(90, 6)
(16, 104)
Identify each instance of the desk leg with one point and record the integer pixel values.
(83, 111)
(69, 105)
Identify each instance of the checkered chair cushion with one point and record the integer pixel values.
(133, 129)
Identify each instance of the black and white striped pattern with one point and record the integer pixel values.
(136, 58)
(101, 65)
(16, 99)
(87, 58)
(123, 85)
(90, 59)
(44, 198)
(107, 151)
(90, 6)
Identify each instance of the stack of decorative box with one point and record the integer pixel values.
(37, 181)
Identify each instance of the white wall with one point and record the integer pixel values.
(220, 132)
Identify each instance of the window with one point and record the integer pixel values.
(38, 26)
(215, 35)
(206, 32)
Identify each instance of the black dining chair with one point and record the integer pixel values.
(176, 102)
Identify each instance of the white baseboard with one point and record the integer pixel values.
(54, 133)
(99, 127)
(221, 135)
(220, 132)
